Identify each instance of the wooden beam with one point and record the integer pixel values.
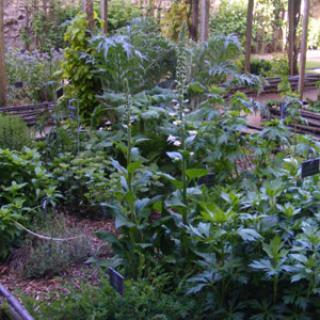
(304, 46)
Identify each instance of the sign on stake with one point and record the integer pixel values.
(116, 280)
(310, 168)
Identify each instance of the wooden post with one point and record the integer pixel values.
(304, 46)
(249, 36)
(104, 15)
(3, 77)
(204, 20)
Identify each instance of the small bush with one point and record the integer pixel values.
(35, 71)
(280, 67)
(25, 184)
(141, 301)
(260, 67)
(48, 258)
(14, 133)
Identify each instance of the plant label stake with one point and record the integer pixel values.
(18, 85)
(207, 180)
(59, 93)
(116, 280)
(310, 167)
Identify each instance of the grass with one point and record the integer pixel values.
(313, 64)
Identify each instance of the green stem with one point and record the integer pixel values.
(275, 289)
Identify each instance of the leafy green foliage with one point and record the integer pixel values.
(14, 133)
(25, 184)
(141, 301)
(230, 19)
(45, 258)
(120, 13)
(35, 72)
(49, 27)
(77, 68)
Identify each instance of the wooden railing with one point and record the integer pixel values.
(29, 113)
(16, 311)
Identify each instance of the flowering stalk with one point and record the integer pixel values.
(182, 65)
(129, 151)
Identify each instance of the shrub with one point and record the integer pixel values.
(49, 258)
(260, 66)
(78, 68)
(280, 67)
(35, 70)
(25, 184)
(230, 19)
(14, 133)
(121, 12)
(141, 301)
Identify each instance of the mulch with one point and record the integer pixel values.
(75, 276)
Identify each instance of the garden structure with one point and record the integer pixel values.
(159, 159)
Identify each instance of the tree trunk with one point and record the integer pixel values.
(293, 17)
(195, 20)
(87, 6)
(304, 46)
(249, 35)
(204, 20)
(3, 77)
(277, 25)
(104, 15)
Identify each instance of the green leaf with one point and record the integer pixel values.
(133, 166)
(106, 236)
(176, 156)
(249, 234)
(196, 173)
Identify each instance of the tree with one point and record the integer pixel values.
(304, 46)
(204, 19)
(249, 35)
(277, 25)
(3, 78)
(294, 7)
(104, 15)
(87, 6)
(194, 32)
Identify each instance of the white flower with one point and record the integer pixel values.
(193, 132)
(186, 110)
(100, 129)
(171, 138)
(191, 154)
(177, 143)
(172, 114)
(177, 122)
(108, 123)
